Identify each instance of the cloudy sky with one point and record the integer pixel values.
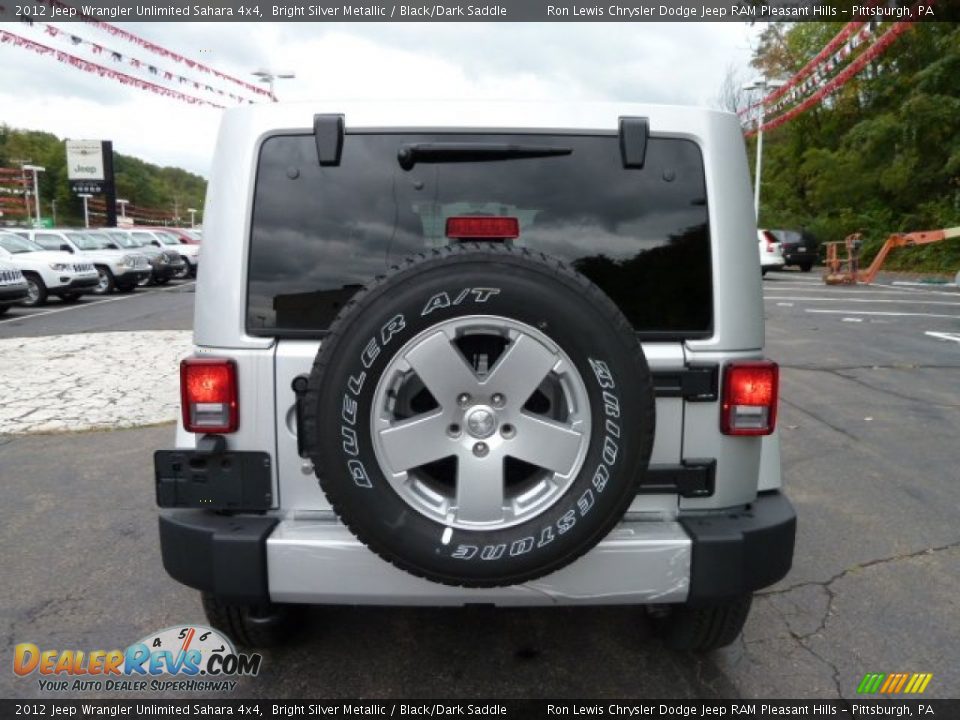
(682, 63)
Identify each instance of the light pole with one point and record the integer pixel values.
(123, 207)
(760, 84)
(269, 76)
(193, 217)
(86, 213)
(36, 188)
(53, 210)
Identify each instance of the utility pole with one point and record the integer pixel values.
(123, 207)
(193, 217)
(86, 213)
(764, 85)
(26, 190)
(53, 210)
(36, 188)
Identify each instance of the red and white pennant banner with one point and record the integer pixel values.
(98, 49)
(8, 38)
(842, 78)
(159, 50)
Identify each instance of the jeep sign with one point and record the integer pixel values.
(85, 160)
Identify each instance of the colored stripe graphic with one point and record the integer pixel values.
(894, 683)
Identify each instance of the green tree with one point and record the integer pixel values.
(881, 155)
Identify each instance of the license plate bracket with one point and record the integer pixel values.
(213, 481)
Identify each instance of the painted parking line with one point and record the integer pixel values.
(862, 300)
(44, 313)
(944, 335)
(856, 291)
(877, 312)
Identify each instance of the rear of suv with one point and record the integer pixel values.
(500, 353)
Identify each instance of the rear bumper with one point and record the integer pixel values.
(800, 258)
(698, 558)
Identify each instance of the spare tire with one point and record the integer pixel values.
(480, 416)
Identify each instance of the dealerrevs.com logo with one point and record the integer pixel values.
(184, 658)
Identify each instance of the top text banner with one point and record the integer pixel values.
(468, 10)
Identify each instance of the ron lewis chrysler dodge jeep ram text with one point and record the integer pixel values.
(503, 353)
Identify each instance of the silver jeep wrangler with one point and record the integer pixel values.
(500, 353)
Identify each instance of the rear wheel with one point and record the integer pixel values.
(183, 272)
(70, 298)
(127, 288)
(148, 280)
(36, 291)
(106, 283)
(252, 625)
(806, 267)
(701, 628)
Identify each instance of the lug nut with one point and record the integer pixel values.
(453, 430)
(508, 430)
(498, 400)
(463, 399)
(480, 449)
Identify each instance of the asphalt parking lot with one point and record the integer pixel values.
(869, 420)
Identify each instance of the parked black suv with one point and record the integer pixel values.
(799, 248)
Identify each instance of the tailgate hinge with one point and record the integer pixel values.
(696, 383)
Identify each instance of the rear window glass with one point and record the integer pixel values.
(321, 233)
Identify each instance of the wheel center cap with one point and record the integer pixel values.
(481, 422)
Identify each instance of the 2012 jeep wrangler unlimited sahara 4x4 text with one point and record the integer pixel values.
(505, 353)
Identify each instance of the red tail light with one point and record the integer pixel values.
(208, 395)
(749, 404)
(771, 240)
(483, 227)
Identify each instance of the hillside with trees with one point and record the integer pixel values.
(882, 155)
(143, 184)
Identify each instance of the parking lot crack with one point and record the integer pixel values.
(826, 584)
(811, 414)
(892, 393)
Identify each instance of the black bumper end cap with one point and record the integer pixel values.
(219, 554)
(738, 552)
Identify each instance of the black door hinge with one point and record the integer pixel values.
(696, 383)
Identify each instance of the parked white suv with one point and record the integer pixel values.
(47, 272)
(117, 269)
(13, 286)
(521, 351)
(771, 254)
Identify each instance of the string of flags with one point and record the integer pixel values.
(118, 57)
(842, 78)
(162, 51)
(9, 38)
(814, 62)
(818, 79)
(789, 96)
